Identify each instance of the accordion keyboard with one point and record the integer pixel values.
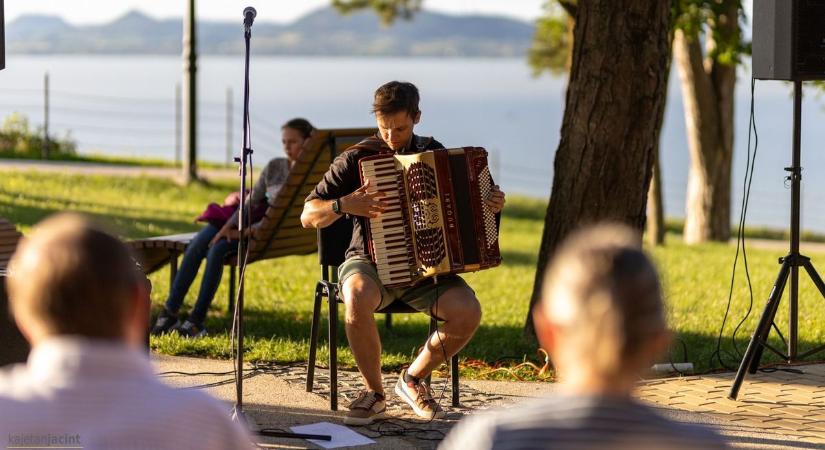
(390, 232)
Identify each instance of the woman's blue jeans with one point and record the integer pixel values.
(197, 250)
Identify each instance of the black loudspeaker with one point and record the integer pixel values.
(789, 39)
(2, 37)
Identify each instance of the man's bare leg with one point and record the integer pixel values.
(461, 312)
(361, 297)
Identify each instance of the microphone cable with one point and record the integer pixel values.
(740, 241)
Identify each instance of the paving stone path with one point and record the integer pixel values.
(789, 406)
(777, 410)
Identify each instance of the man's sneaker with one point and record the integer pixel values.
(165, 322)
(191, 330)
(419, 396)
(367, 407)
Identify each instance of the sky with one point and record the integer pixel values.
(100, 11)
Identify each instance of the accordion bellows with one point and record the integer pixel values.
(437, 222)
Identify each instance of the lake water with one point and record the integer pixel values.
(125, 106)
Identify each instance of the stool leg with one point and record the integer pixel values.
(388, 321)
(333, 351)
(313, 337)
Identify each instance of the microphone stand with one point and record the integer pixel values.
(246, 156)
(238, 414)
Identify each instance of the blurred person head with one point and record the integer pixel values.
(295, 135)
(69, 277)
(601, 318)
(396, 112)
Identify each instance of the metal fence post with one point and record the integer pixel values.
(45, 150)
(229, 120)
(177, 124)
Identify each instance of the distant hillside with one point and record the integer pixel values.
(321, 32)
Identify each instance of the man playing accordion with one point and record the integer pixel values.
(447, 298)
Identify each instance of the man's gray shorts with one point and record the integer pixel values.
(421, 296)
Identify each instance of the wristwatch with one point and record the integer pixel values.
(336, 206)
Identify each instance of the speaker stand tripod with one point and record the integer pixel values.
(790, 268)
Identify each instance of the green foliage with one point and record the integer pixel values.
(387, 10)
(712, 19)
(19, 140)
(552, 41)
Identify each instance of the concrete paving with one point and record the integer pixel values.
(778, 410)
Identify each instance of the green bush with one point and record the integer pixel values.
(19, 140)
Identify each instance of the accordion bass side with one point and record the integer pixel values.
(437, 222)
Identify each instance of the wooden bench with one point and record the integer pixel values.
(279, 233)
(14, 347)
(9, 236)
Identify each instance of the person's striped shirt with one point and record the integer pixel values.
(567, 422)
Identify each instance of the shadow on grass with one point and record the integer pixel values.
(701, 350)
(402, 342)
(280, 331)
(492, 342)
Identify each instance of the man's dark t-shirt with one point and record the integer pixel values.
(343, 178)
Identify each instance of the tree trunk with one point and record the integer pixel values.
(655, 224)
(610, 129)
(707, 93)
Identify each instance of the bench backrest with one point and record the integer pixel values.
(13, 347)
(9, 236)
(280, 232)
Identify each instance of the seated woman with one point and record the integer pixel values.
(215, 243)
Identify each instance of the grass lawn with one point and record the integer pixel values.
(34, 155)
(279, 292)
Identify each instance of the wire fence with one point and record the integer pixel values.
(151, 127)
(134, 126)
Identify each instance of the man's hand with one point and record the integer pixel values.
(363, 203)
(495, 201)
(226, 232)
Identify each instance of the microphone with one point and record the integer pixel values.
(249, 14)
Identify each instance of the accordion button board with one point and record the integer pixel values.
(436, 221)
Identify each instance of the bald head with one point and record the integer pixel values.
(69, 277)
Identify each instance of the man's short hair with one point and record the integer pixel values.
(396, 96)
(73, 278)
(604, 292)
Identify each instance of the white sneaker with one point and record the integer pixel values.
(420, 397)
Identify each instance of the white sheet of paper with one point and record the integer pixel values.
(341, 435)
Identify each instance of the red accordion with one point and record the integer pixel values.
(437, 222)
